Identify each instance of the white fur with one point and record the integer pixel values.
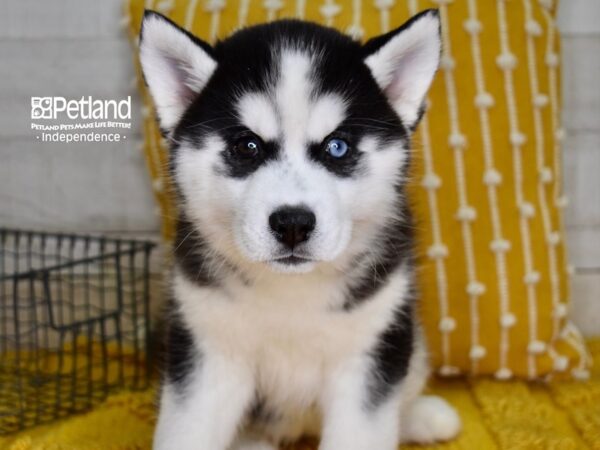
(199, 419)
(326, 114)
(430, 419)
(258, 113)
(293, 94)
(404, 67)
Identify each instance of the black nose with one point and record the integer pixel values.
(292, 224)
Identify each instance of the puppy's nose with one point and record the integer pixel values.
(292, 224)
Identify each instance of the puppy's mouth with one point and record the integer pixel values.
(292, 260)
(292, 263)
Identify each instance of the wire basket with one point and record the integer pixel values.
(74, 323)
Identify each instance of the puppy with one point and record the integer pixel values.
(293, 285)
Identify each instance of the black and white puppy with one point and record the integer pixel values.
(293, 283)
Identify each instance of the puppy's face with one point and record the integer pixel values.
(290, 140)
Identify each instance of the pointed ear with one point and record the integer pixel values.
(176, 66)
(404, 61)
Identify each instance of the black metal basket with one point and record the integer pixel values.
(74, 323)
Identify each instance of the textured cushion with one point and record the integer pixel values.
(487, 176)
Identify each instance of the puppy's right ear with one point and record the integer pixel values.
(176, 66)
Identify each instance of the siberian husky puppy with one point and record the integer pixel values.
(293, 287)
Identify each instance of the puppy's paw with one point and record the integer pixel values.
(430, 419)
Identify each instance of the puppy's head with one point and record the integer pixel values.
(289, 140)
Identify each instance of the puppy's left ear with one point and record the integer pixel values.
(404, 61)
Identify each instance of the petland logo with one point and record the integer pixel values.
(74, 120)
(85, 108)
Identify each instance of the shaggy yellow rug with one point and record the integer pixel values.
(511, 415)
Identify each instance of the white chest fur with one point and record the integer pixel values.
(291, 333)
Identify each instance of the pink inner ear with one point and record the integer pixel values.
(405, 66)
(394, 89)
(182, 73)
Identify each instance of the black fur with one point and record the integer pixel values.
(391, 356)
(393, 247)
(182, 355)
(192, 254)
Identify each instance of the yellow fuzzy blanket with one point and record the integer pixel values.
(497, 415)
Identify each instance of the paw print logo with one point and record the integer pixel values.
(41, 107)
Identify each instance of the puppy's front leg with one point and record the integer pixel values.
(350, 421)
(204, 411)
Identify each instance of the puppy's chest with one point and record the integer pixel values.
(300, 326)
(277, 325)
(293, 337)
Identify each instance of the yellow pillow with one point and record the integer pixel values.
(487, 180)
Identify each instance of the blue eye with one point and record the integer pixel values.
(337, 147)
